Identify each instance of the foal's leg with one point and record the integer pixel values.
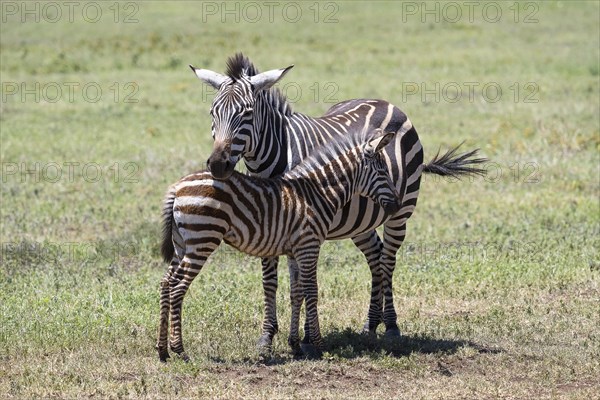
(196, 255)
(270, 326)
(165, 298)
(165, 305)
(307, 266)
(296, 298)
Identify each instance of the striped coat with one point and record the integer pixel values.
(289, 215)
(252, 121)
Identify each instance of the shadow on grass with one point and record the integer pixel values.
(350, 344)
(273, 360)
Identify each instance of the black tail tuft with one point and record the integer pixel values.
(166, 248)
(451, 164)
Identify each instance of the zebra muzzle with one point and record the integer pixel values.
(391, 207)
(220, 169)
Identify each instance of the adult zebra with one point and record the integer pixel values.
(253, 121)
(268, 217)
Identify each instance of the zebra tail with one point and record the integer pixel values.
(456, 165)
(166, 248)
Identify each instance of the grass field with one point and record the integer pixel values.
(497, 286)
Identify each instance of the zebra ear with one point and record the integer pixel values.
(378, 141)
(265, 80)
(214, 79)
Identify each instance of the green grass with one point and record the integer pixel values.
(497, 285)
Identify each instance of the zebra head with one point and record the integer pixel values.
(232, 111)
(374, 180)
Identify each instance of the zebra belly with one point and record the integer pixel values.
(360, 215)
(281, 247)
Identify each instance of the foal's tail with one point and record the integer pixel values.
(166, 248)
(456, 165)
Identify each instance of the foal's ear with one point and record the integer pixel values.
(266, 79)
(378, 140)
(212, 78)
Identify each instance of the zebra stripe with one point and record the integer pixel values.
(289, 215)
(280, 139)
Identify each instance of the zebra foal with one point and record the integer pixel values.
(288, 215)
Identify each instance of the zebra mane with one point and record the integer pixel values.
(328, 151)
(239, 65)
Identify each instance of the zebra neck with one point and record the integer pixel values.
(327, 189)
(269, 156)
(304, 134)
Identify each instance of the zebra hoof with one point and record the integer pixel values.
(392, 333)
(163, 354)
(310, 351)
(294, 343)
(264, 346)
(370, 328)
(297, 352)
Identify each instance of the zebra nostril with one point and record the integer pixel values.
(208, 164)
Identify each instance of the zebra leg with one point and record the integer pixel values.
(393, 236)
(306, 338)
(181, 280)
(306, 343)
(296, 298)
(165, 299)
(165, 305)
(370, 245)
(307, 266)
(270, 326)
